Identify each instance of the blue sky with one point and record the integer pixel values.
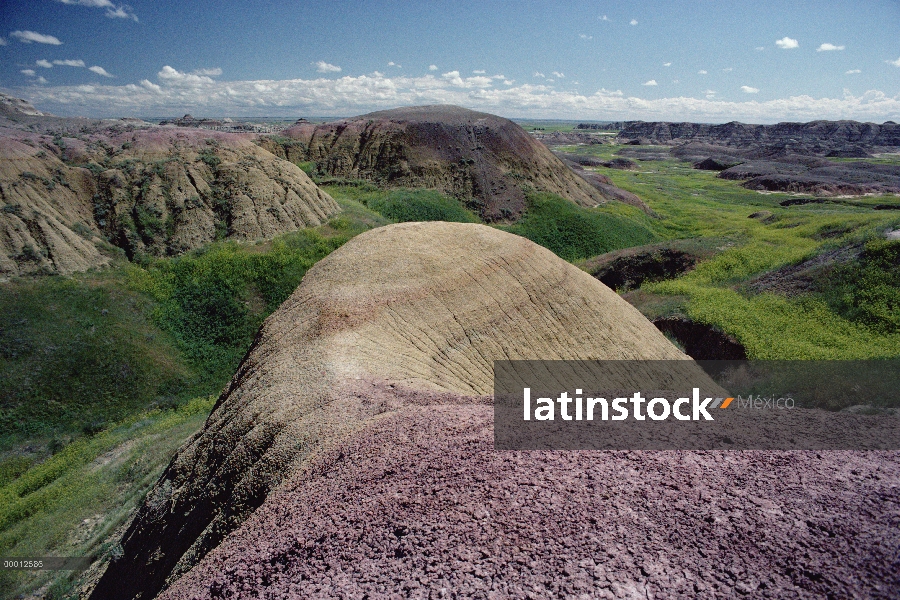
(698, 60)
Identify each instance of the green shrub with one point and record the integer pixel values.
(576, 233)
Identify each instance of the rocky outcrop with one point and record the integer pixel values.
(816, 138)
(402, 315)
(486, 161)
(147, 190)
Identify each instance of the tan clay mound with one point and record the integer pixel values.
(401, 315)
(485, 160)
(152, 190)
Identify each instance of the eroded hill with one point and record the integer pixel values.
(144, 189)
(401, 315)
(487, 161)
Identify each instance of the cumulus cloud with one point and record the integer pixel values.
(2, 41)
(760, 48)
(896, 63)
(787, 43)
(99, 71)
(324, 67)
(508, 81)
(702, 72)
(652, 82)
(214, 72)
(479, 71)
(710, 94)
(69, 63)
(122, 11)
(668, 64)
(457, 80)
(852, 72)
(432, 67)
(749, 90)
(44, 63)
(603, 18)
(539, 74)
(355, 95)
(27, 37)
(585, 36)
(29, 72)
(41, 80)
(558, 75)
(728, 69)
(826, 47)
(393, 64)
(173, 77)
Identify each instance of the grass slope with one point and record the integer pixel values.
(851, 315)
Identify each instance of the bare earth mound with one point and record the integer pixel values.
(401, 315)
(145, 189)
(365, 398)
(420, 505)
(484, 160)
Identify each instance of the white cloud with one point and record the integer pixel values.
(214, 72)
(710, 94)
(787, 43)
(508, 81)
(112, 11)
(41, 80)
(539, 74)
(652, 82)
(99, 71)
(827, 47)
(760, 48)
(896, 63)
(393, 64)
(360, 94)
(69, 63)
(432, 67)
(603, 18)
(479, 71)
(668, 64)
(749, 90)
(31, 36)
(2, 41)
(122, 12)
(852, 72)
(324, 67)
(92, 3)
(633, 22)
(29, 72)
(498, 76)
(558, 75)
(173, 77)
(585, 36)
(702, 72)
(728, 69)
(44, 63)
(455, 79)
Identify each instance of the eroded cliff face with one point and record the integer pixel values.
(486, 161)
(816, 138)
(146, 190)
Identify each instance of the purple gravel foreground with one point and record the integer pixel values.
(420, 505)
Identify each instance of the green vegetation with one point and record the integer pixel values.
(71, 503)
(576, 233)
(400, 206)
(849, 313)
